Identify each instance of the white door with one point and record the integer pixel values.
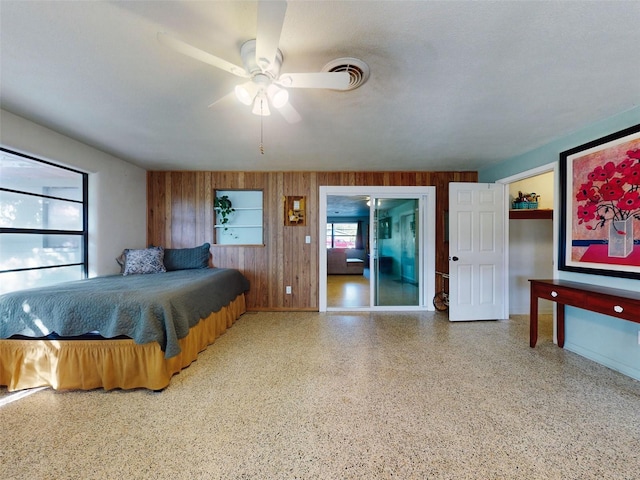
(477, 253)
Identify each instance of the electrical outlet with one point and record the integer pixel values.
(307, 239)
(287, 289)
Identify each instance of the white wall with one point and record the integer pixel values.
(530, 256)
(117, 189)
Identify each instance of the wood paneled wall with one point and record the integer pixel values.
(180, 215)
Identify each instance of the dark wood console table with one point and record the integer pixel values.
(622, 304)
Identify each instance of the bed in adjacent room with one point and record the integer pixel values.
(120, 331)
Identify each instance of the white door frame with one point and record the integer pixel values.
(427, 195)
(549, 167)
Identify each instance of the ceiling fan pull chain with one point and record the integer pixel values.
(261, 130)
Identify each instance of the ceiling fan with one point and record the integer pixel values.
(262, 60)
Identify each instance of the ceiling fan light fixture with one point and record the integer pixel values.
(243, 93)
(278, 96)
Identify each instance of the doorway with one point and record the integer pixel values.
(397, 252)
(532, 244)
(389, 262)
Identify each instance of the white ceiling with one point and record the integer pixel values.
(453, 86)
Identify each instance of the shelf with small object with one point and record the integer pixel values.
(525, 207)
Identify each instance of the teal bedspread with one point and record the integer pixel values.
(158, 307)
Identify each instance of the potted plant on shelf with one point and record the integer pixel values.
(224, 209)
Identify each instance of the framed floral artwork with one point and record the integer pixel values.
(600, 206)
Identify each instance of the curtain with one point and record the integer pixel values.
(359, 239)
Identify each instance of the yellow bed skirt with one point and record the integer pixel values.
(108, 364)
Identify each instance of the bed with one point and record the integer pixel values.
(118, 331)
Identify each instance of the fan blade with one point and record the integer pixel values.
(270, 20)
(229, 100)
(193, 52)
(289, 113)
(331, 80)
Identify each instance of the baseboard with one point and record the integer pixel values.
(602, 360)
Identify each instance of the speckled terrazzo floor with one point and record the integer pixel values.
(333, 396)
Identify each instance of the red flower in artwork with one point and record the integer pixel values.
(632, 175)
(629, 201)
(624, 165)
(612, 192)
(617, 182)
(587, 192)
(587, 212)
(603, 173)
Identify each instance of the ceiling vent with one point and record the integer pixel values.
(358, 70)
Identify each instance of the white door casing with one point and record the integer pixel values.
(477, 253)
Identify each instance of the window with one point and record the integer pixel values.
(341, 235)
(43, 222)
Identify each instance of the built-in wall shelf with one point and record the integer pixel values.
(244, 225)
(533, 214)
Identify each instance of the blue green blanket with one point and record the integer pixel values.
(158, 307)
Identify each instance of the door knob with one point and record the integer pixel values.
(455, 259)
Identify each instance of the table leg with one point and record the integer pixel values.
(560, 323)
(533, 318)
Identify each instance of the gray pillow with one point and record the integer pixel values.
(186, 258)
(148, 260)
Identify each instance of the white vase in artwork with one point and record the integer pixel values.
(621, 238)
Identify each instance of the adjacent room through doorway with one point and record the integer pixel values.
(379, 249)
